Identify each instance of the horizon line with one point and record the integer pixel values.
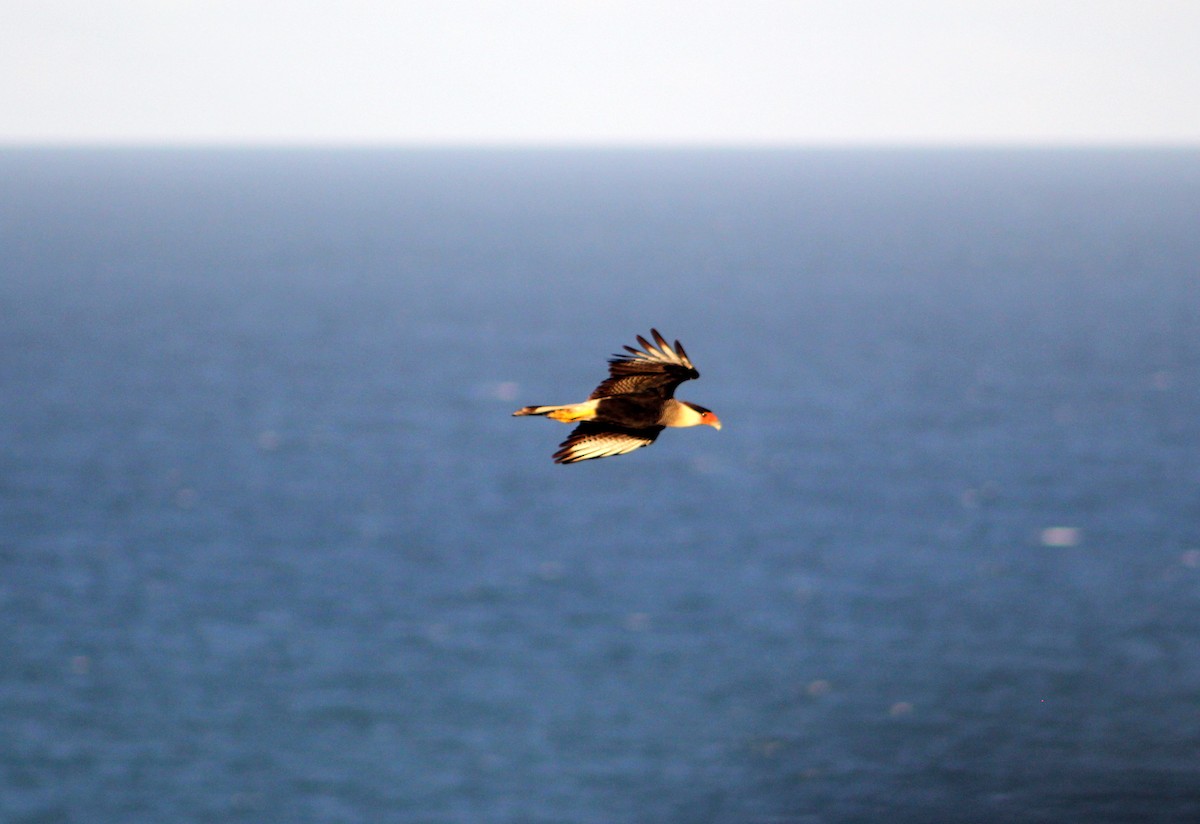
(599, 145)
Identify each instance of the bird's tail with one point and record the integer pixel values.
(566, 413)
(534, 410)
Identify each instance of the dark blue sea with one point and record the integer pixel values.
(272, 548)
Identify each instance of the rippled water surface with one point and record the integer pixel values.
(273, 549)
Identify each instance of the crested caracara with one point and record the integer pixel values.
(632, 406)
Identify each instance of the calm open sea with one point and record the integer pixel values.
(272, 548)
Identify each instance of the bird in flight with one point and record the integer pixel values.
(634, 404)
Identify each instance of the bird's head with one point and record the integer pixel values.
(707, 417)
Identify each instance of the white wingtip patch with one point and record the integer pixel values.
(599, 445)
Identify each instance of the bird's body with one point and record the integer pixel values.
(632, 406)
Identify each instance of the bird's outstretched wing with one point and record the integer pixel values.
(599, 440)
(656, 367)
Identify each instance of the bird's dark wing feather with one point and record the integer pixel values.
(599, 440)
(656, 367)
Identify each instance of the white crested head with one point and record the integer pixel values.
(683, 413)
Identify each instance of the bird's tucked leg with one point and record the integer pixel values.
(575, 412)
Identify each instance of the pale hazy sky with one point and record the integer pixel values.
(609, 71)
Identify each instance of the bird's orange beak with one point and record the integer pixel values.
(711, 419)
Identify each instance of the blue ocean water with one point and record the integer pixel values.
(272, 548)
